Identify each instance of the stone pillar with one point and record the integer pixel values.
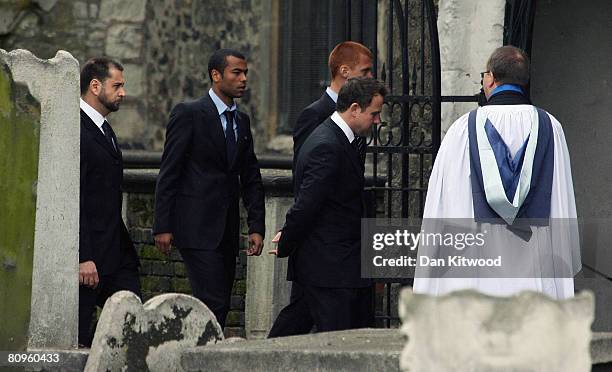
(526, 332)
(469, 31)
(54, 306)
(267, 287)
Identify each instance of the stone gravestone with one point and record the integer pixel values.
(39, 200)
(470, 331)
(135, 337)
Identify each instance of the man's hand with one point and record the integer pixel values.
(163, 242)
(255, 244)
(275, 240)
(88, 274)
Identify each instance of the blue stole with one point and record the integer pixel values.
(506, 87)
(528, 173)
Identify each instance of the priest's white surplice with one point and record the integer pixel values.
(449, 195)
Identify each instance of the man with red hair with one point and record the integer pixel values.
(348, 60)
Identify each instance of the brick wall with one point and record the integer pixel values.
(162, 274)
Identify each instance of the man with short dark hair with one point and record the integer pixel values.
(347, 60)
(107, 259)
(504, 162)
(208, 164)
(322, 231)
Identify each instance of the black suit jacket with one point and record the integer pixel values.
(322, 230)
(197, 186)
(103, 234)
(309, 119)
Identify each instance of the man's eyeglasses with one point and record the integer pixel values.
(482, 74)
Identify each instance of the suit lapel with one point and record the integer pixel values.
(328, 104)
(99, 136)
(118, 152)
(242, 137)
(348, 148)
(211, 115)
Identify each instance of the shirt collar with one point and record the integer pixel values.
(333, 95)
(94, 115)
(348, 132)
(221, 106)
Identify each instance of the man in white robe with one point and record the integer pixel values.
(450, 191)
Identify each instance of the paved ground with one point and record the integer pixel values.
(356, 350)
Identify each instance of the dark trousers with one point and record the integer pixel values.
(293, 319)
(211, 274)
(329, 309)
(125, 278)
(335, 309)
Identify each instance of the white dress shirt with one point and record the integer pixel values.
(221, 108)
(333, 95)
(94, 115)
(348, 132)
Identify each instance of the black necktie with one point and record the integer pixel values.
(359, 144)
(230, 136)
(108, 133)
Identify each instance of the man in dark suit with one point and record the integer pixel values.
(322, 231)
(107, 259)
(207, 165)
(347, 60)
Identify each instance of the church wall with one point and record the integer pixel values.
(164, 46)
(572, 80)
(469, 30)
(578, 91)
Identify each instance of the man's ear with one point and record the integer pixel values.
(95, 86)
(344, 71)
(493, 80)
(216, 76)
(354, 109)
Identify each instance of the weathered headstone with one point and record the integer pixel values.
(469, 331)
(135, 337)
(39, 183)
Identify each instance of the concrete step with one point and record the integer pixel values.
(354, 350)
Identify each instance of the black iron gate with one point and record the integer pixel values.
(403, 147)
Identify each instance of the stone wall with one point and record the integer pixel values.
(163, 274)
(469, 31)
(163, 44)
(180, 37)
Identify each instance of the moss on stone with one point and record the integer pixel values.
(19, 132)
(239, 287)
(150, 284)
(234, 319)
(151, 253)
(179, 269)
(181, 285)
